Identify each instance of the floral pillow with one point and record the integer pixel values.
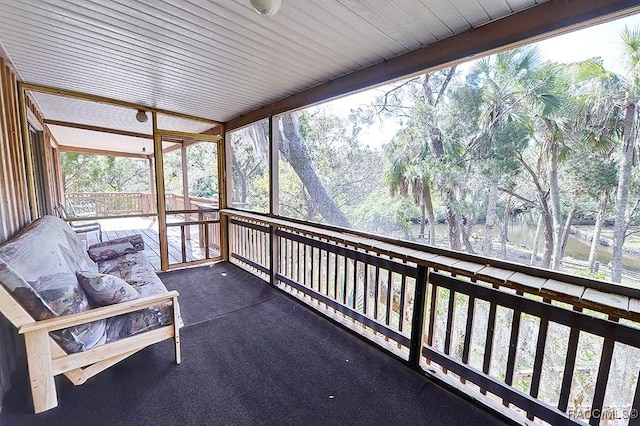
(105, 289)
(113, 248)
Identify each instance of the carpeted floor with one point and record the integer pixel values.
(251, 356)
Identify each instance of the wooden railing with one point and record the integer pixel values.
(208, 222)
(125, 203)
(109, 203)
(531, 343)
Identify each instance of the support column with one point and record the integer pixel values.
(31, 183)
(418, 320)
(185, 188)
(161, 202)
(223, 178)
(152, 188)
(274, 203)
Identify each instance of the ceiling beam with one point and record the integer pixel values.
(539, 22)
(97, 129)
(110, 101)
(92, 151)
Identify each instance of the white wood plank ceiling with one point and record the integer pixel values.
(217, 59)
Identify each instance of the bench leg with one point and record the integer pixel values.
(43, 386)
(177, 323)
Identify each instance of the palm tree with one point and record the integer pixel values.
(631, 44)
(597, 114)
(515, 87)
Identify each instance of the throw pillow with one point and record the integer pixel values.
(104, 289)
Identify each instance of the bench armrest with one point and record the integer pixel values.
(95, 314)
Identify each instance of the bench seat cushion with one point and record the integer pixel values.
(38, 267)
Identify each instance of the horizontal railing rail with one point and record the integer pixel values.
(532, 343)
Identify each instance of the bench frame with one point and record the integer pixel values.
(46, 359)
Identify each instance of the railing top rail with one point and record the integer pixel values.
(610, 298)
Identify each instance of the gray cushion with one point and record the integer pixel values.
(104, 289)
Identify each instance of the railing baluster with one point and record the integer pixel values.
(541, 345)
(450, 318)
(355, 285)
(365, 295)
(513, 346)
(376, 292)
(312, 268)
(335, 277)
(324, 261)
(603, 377)
(304, 265)
(403, 300)
(433, 307)
(328, 275)
(466, 347)
(344, 280)
(206, 243)
(569, 365)
(389, 295)
(297, 262)
(488, 345)
(183, 244)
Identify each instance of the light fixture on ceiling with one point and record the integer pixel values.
(266, 7)
(141, 116)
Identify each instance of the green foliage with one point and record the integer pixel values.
(587, 273)
(98, 173)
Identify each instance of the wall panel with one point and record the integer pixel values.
(14, 208)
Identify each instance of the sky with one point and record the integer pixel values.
(597, 41)
(601, 40)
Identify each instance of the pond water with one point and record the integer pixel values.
(523, 234)
(577, 248)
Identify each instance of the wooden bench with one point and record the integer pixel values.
(46, 359)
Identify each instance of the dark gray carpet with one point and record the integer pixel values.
(251, 356)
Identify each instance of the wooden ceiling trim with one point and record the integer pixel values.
(98, 129)
(539, 22)
(106, 100)
(92, 151)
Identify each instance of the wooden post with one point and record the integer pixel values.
(224, 170)
(418, 320)
(152, 186)
(41, 379)
(274, 204)
(185, 188)
(31, 183)
(161, 203)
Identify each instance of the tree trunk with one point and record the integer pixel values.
(597, 230)
(548, 233)
(423, 219)
(296, 154)
(554, 195)
(502, 227)
(622, 192)
(491, 219)
(437, 148)
(241, 197)
(466, 226)
(452, 221)
(567, 228)
(536, 242)
(428, 204)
